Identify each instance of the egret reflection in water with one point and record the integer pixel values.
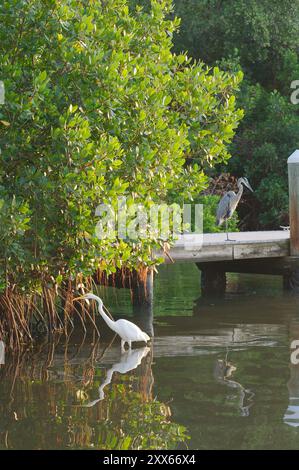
(38, 390)
(130, 360)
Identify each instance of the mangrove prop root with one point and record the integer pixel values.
(23, 317)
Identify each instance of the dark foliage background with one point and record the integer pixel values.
(261, 38)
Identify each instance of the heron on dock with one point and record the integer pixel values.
(229, 202)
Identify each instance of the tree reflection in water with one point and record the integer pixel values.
(44, 393)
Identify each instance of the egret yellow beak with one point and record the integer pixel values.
(82, 298)
(79, 298)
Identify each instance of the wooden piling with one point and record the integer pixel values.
(293, 172)
(213, 280)
(142, 299)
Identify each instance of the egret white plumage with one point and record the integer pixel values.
(229, 202)
(128, 331)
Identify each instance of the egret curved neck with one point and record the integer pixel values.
(105, 317)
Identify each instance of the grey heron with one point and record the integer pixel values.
(229, 202)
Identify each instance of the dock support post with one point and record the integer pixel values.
(213, 281)
(293, 172)
(143, 298)
(291, 280)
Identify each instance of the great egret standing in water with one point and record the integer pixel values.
(228, 203)
(128, 331)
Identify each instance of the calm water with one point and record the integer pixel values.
(218, 376)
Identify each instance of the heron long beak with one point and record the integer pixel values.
(249, 187)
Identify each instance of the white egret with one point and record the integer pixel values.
(128, 331)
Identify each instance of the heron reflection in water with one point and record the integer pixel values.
(223, 371)
(130, 360)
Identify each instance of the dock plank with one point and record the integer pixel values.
(246, 245)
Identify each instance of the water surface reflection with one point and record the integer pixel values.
(56, 400)
(218, 376)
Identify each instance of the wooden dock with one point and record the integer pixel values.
(263, 252)
(211, 247)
